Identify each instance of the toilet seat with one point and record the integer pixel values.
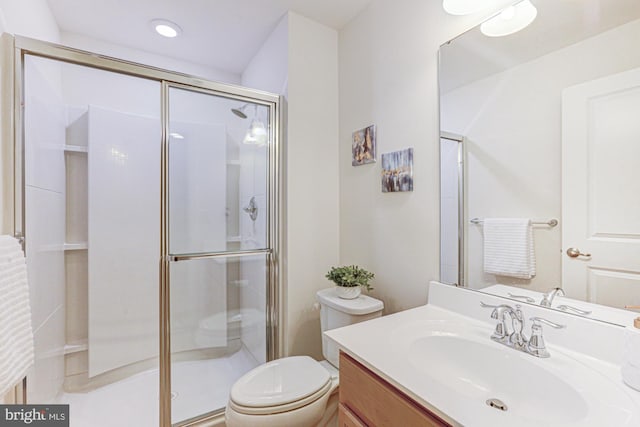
(287, 407)
(280, 386)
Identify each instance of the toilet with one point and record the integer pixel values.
(296, 391)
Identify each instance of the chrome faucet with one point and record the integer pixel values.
(547, 299)
(501, 335)
(516, 339)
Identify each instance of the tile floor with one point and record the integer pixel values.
(200, 386)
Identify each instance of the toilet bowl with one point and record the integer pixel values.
(295, 391)
(292, 391)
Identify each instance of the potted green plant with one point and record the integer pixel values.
(350, 280)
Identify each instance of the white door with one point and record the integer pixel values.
(601, 189)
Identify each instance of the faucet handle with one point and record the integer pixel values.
(503, 306)
(522, 297)
(536, 345)
(494, 313)
(500, 333)
(547, 298)
(538, 320)
(485, 305)
(565, 307)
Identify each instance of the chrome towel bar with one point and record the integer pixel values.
(551, 223)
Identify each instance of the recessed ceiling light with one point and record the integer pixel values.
(166, 28)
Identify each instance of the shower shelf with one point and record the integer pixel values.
(76, 347)
(75, 246)
(76, 148)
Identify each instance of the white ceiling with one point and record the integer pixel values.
(560, 23)
(224, 34)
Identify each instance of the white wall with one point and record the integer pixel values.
(513, 132)
(135, 55)
(388, 77)
(269, 68)
(29, 18)
(312, 216)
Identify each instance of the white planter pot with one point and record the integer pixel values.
(350, 292)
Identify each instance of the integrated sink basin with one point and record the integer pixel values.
(484, 373)
(459, 357)
(448, 363)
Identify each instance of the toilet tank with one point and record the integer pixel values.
(336, 312)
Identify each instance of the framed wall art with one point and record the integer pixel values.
(363, 146)
(397, 171)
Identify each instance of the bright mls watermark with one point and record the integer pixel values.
(34, 415)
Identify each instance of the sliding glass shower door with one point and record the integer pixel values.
(148, 202)
(92, 144)
(218, 245)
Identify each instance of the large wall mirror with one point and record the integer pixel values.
(544, 125)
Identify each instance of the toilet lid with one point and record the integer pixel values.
(363, 304)
(280, 382)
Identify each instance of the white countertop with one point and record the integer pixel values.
(383, 345)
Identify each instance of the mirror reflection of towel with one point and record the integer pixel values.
(508, 247)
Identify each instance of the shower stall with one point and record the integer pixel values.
(150, 216)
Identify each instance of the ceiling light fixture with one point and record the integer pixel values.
(166, 28)
(510, 20)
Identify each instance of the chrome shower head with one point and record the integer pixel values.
(240, 111)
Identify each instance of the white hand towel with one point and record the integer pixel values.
(508, 247)
(16, 334)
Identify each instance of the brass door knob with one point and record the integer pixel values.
(575, 253)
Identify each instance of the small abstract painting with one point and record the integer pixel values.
(397, 171)
(363, 146)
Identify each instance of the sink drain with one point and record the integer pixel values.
(497, 403)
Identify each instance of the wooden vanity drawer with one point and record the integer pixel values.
(368, 400)
(346, 418)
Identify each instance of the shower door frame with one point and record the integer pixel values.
(16, 48)
(462, 211)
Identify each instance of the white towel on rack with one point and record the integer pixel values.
(16, 334)
(508, 247)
